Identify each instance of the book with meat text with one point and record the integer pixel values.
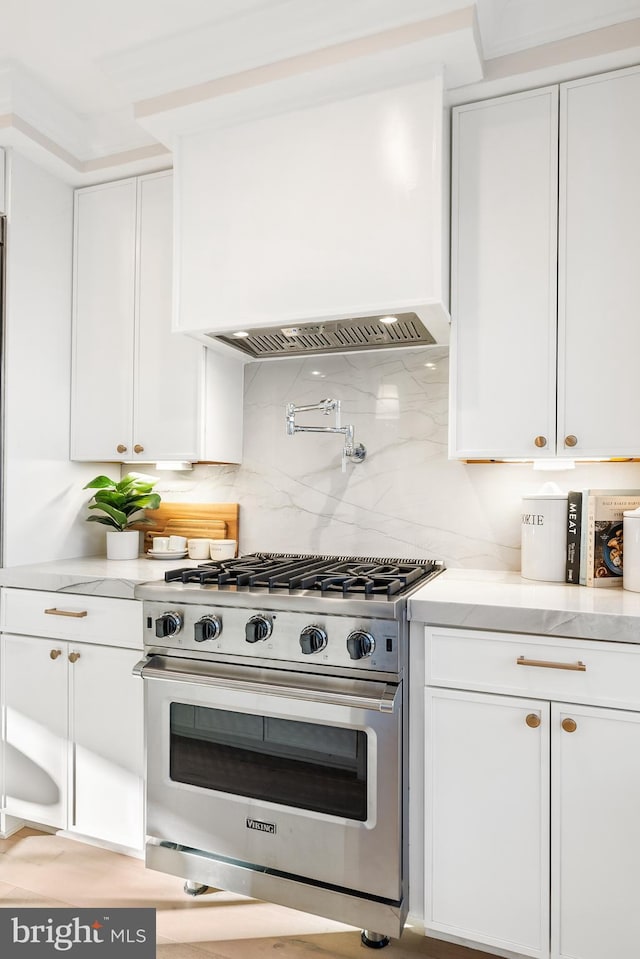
(574, 532)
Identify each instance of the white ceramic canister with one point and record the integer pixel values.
(544, 537)
(631, 550)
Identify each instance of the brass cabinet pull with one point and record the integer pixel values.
(138, 449)
(54, 653)
(533, 720)
(76, 614)
(569, 725)
(540, 441)
(579, 667)
(74, 657)
(571, 440)
(121, 448)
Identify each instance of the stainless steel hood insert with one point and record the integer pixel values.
(334, 336)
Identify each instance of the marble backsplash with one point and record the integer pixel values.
(407, 499)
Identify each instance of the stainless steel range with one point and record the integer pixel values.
(276, 722)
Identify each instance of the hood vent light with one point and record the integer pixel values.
(334, 336)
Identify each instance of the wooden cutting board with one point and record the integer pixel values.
(193, 520)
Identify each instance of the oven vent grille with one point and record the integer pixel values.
(335, 336)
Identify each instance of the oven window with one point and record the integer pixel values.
(311, 766)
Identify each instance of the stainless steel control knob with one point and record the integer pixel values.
(360, 644)
(312, 639)
(168, 624)
(207, 627)
(258, 628)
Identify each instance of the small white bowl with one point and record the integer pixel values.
(198, 548)
(222, 548)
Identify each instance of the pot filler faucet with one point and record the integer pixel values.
(355, 452)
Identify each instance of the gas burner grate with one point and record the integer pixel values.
(290, 572)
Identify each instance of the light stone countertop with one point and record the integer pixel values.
(477, 599)
(92, 575)
(488, 599)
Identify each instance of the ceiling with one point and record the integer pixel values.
(73, 73)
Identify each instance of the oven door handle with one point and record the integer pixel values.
(360, 694)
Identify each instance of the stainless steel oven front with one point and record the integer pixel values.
(268, 771)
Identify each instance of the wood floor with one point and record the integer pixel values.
(38, 869)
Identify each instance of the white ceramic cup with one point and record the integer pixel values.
(160, 544)
(222, 548)
(198, 548)
(177, 543)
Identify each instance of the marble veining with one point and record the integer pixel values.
(93, 576)
(506, 602)
(407, 499)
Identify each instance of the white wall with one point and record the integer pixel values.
(42, 491)
(407, 499)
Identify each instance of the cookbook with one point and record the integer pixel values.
(582, 563)
(604, 537)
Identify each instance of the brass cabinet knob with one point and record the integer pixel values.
(74, 657)
(571, 440)
(54, 653)
(533, 720)
(569, 725)
(540, 441)
(121, 448)
(138, 449)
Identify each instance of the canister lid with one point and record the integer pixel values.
(548, 490)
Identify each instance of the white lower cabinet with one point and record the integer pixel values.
(532, 832)
(487, 820)
(595, 837)
(73, 737)
(35, 696)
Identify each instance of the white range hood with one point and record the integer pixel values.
(316, 210)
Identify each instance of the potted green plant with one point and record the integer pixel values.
(121, 501)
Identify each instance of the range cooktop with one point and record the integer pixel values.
(335, 575)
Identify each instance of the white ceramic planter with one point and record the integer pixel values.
(123, 544)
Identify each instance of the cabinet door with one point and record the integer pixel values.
(503, 262)
(595, 833)
(103, 332)
(599, 253)
(487, 820)
(106, 743)
(168, 365)
(34, 685)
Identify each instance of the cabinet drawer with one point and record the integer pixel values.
(88, 619)
(573, 671)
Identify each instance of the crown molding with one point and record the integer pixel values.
(402, 55)
(257, 37)
(598, 51)
(16, 133)
(53, 136)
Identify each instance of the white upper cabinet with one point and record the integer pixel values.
(103, 333)
(503, 264)
(331, 211)
(513, 393)
(141, 393)
(599, 265)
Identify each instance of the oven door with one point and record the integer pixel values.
(284, 771)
